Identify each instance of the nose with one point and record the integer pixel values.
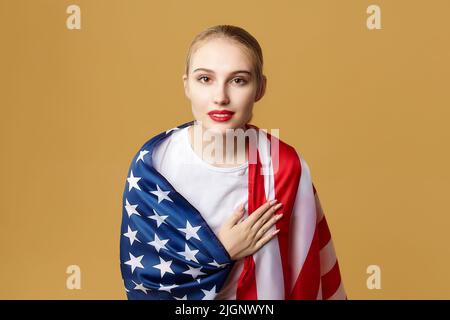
(221, 95)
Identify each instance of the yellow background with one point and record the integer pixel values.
(368, 110)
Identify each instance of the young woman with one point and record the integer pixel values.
(197, 227)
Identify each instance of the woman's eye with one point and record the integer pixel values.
(241, 81)
(202, 77)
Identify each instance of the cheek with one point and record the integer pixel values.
(245, 95)
(245, 101)
(199, 95)
(200, 109)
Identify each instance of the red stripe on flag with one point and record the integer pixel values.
(246, 287)
(324, 233)
(307, 285)
(331, 281)
(286, 180)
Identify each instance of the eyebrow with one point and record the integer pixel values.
(211, 71)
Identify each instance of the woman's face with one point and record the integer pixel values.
(221, 85)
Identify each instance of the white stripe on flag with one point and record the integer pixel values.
(327, 258)
(319, 294)
(320, 213)
(339, 294)
(303, 222)
(268, 265)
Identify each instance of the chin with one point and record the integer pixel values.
(223, 127)
(217, 129)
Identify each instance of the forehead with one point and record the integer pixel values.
(221, 55)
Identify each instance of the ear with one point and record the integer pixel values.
(186, 86)
(262, 89)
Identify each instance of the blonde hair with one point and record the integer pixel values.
(234, 33)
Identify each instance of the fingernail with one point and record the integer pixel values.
(275, 232)
(280, 216)
(273, 202)
(278, 205)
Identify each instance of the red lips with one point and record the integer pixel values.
(221, 115)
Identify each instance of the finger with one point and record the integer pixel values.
(266, 217)
(250, 221)
(236, 216)
(265, 239)
(267, 226)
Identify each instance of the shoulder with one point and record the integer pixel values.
(161, 141)
(289, 157)
(285, 153)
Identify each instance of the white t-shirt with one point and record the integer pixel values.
(215, 192)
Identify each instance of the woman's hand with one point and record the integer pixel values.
(241, 239)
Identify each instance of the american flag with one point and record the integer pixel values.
(168, 251)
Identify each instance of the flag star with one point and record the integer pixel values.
(141, 155)
(162, 195)
(131, 208)
(184, 298)
(167, 288)
(132, 181)
(194, 272)
(209, 294)
(198, 280)
(191, 232)
(159, 219)
(158, 243)
(188, 253)
(173, 129)
(131, 235)
(135, 262)
(164, 266)
(141, 287)
(217, 265)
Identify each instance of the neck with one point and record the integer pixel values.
(214, 148)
